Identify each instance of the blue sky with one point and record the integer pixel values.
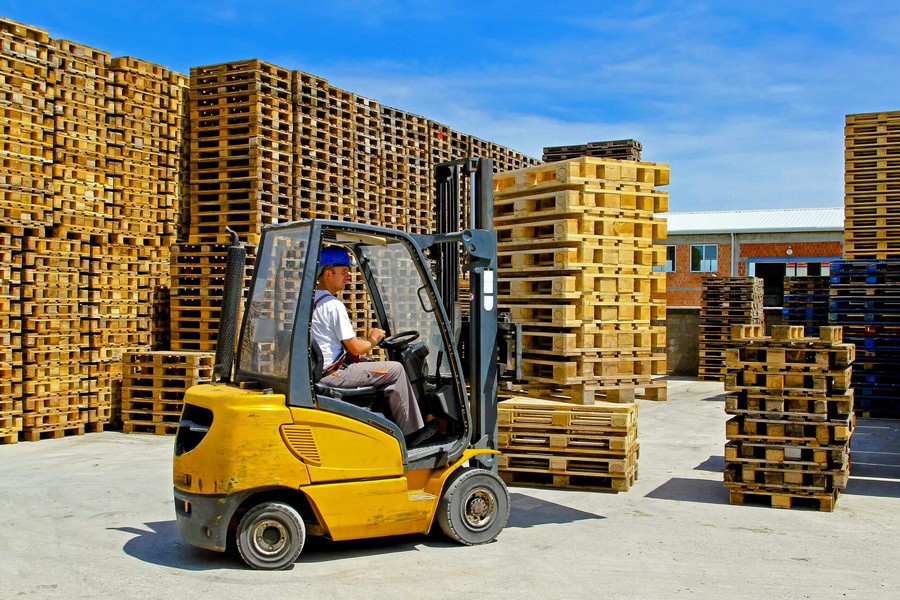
(745, 100)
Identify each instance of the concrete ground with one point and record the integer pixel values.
(92, 517)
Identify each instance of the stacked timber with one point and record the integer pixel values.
(865, 301)
(872, 186)
(806, 302)
(575, 265)
(792, 407)
(546, 443)
(153, 388)
(724, 302)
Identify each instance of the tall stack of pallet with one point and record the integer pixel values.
(806, 302)
(792, 416)
(408, 192)
(10, 338)
(554, 444)
(311, 155)
(241, 176)
(724, 302)
(872, 186)
(26, 199)
(81, 196)
(865, 301)
(575, 260)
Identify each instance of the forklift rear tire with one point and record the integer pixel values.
(270, 536)
(474, 507)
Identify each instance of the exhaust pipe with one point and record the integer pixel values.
(231, 298)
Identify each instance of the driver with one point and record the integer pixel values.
(341, 349)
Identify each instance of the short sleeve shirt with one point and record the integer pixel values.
(330, 326)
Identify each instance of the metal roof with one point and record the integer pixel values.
(755, 221)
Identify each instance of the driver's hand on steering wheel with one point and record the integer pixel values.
(375, 336)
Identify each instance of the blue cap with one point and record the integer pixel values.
(334, 255)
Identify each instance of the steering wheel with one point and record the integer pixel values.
(400, 340)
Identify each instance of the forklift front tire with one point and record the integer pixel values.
(474, 507)
(270, 536)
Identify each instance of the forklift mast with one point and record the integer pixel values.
(476, 332)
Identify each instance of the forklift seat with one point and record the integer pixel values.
(365, 396)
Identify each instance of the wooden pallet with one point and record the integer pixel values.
(829, 433)
(586, 482)
(783, 499)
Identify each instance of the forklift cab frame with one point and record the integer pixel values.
(274, 348)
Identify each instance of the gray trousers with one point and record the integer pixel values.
(390, 376)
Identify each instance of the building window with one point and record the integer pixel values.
(705, 258)
(669, 267)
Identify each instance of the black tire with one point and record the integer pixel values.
(474, 507)
(270, 536)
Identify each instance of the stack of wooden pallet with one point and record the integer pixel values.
(84, 258)
(407, 190)
(725, 301)
(871, 203)
(555, 444)
(94, 188)
(51, 344)
(792, 407)
(26, 203)
(26, 135)
(313, 194)
(153, 388)
(241, 176)
(806, 302)
(575, 260)
(865, 301)
(615, 149)
(10, 339)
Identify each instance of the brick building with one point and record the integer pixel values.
(770, 244)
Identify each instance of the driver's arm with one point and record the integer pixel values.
(359, 346)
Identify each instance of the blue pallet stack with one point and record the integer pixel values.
(806, 302)
(865, 301)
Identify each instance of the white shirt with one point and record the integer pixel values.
(331, 325)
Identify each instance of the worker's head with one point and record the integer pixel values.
(334, 268)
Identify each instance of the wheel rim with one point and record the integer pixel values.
(479, 509)
(269, 538)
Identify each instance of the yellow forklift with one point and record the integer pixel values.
(267, 455)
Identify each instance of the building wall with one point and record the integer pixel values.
(683, 287)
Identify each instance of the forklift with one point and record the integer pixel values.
(267, 455)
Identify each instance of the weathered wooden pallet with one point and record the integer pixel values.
(527, 462)
(825, 381)
(812, 407)
(824, 502)
(788, 477)
(583, 481)
(823, 458)
(638, 286)
(830, 433)
(560, 416)
(516, 439)
(537, 261)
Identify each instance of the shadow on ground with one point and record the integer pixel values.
(160, 543)
(691, 490)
